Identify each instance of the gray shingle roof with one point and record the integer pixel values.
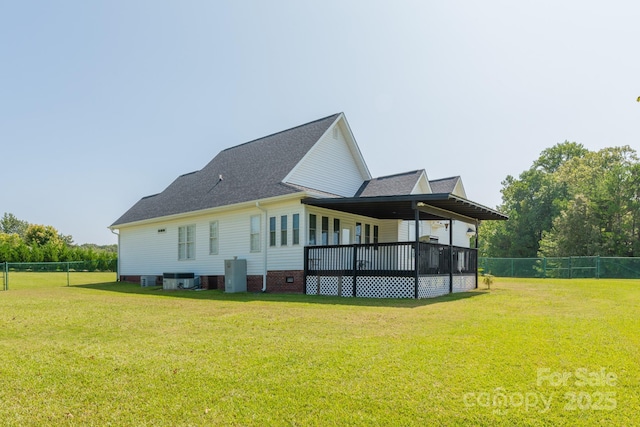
(391, 185)
(249, 171)
(444, 185)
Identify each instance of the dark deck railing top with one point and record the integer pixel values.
(389, 259)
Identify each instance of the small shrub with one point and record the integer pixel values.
(487, 279)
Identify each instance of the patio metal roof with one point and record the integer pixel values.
(430, 207)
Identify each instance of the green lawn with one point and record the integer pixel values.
(529, 352)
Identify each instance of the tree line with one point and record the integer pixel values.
(21, 241)
(570, 202)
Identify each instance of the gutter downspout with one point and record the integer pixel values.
(266, 245)
(118, 260)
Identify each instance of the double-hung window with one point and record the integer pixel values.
(187, 242)
(312, 229)
(283, 230)
(272, 231)
(255, 234)
(336, 231)
(213, 238)
(296, 229)
(325, 230)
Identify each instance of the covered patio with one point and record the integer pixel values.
(397, 269)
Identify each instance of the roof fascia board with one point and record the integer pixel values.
(443, 213)
(414, 198)
(218, 209)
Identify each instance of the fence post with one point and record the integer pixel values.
(570, 268)
(6, 276)
(544, 267)
(512, 272)
(598, 267)
(68, 273)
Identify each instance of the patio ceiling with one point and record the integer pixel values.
(430, 207)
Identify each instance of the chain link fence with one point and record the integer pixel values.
(565, 267)
(71, 267)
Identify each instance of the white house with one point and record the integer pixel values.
(273, 201)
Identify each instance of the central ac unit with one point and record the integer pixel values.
(147, 281)
(175, 281)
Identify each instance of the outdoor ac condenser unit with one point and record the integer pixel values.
(147, 281)
(174, 281)
(235, 275)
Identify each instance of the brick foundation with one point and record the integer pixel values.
(285, 281)
(254, 283)
(212, 282)
(278, 281)
(132, 279)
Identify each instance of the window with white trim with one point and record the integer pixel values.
(312, 229)
(336, 231)
(296, 229)
(255, 234)
(187, 242)
(325, 231)
(272, 231)
(283, 230)
(213, 238)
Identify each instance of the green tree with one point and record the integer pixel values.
(40, 235)
(9, 224)
(570, 202)
(575, 231)
(532, 201)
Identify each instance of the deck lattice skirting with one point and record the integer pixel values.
(387, 287)
(388, 270)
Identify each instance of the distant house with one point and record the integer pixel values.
(303, 210)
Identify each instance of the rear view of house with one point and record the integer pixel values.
(302, 209)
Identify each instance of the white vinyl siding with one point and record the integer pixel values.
(144, 251)
(187, 242)
(330, 166)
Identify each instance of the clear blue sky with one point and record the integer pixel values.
(104, 102)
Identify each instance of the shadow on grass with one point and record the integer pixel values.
(218, 295)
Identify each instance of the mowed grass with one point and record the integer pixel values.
(110, 353)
